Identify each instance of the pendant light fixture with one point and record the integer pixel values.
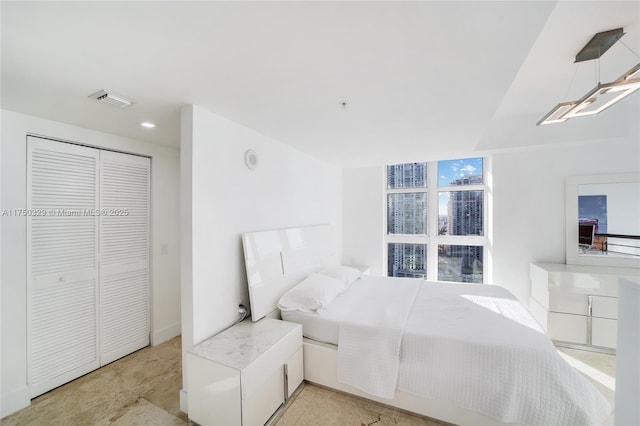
(603, 95)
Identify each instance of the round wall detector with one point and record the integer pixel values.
(251, 159)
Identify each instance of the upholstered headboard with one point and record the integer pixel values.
(278, 260)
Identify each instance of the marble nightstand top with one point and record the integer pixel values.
(240, 345)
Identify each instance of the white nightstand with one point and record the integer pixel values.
(243, 375)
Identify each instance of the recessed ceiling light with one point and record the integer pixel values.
(148, 124)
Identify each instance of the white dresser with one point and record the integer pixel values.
(244, 374)
(576, 304)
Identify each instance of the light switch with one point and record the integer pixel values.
(164, 249)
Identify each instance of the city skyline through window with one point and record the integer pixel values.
(451, 247)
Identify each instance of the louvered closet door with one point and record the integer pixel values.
(62, 267)
(124, 254)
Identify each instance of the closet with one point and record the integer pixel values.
(87, 259)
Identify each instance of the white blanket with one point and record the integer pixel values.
(369, 344)
(473, 345)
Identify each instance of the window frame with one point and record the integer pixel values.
(431, 238)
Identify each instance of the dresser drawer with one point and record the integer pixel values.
(214, 392)
(567, 328)
(604, 307)
(604, 332)
(273, 359)
(295, 372)
(261, 404)
(569, 303)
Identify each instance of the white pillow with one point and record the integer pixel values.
(312, 294)
(346, 274)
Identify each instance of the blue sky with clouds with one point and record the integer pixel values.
(450, 170)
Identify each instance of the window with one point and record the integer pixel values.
(406, 213)
(407, 260)
(436, 220)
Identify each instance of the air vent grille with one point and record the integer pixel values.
(109, 98)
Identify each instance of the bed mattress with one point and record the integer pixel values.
(314, 326)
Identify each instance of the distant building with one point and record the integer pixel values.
(406, 215)
(410, 175)
(465, 208)
(468, 180)
(465, 217)
(407, 260)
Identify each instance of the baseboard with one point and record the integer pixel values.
(166, 333)
(15, 401)
(184, 406)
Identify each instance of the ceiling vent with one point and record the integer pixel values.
(111, 99)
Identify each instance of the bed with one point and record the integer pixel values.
(462, 353)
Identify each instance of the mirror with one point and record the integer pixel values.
(603, 220)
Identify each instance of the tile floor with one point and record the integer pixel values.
(317, 406)
(139, 389)
(143, 389)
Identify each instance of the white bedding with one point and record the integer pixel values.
(325, 326)
(474, 346)
(479, 348)
(377, 332)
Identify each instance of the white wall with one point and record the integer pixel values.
(165, 233)
(529, 202)
(363, 205)
(528, 205)
(221, 199)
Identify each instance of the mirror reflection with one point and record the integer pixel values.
(609, 219)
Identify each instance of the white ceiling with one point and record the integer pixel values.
(423, 80)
